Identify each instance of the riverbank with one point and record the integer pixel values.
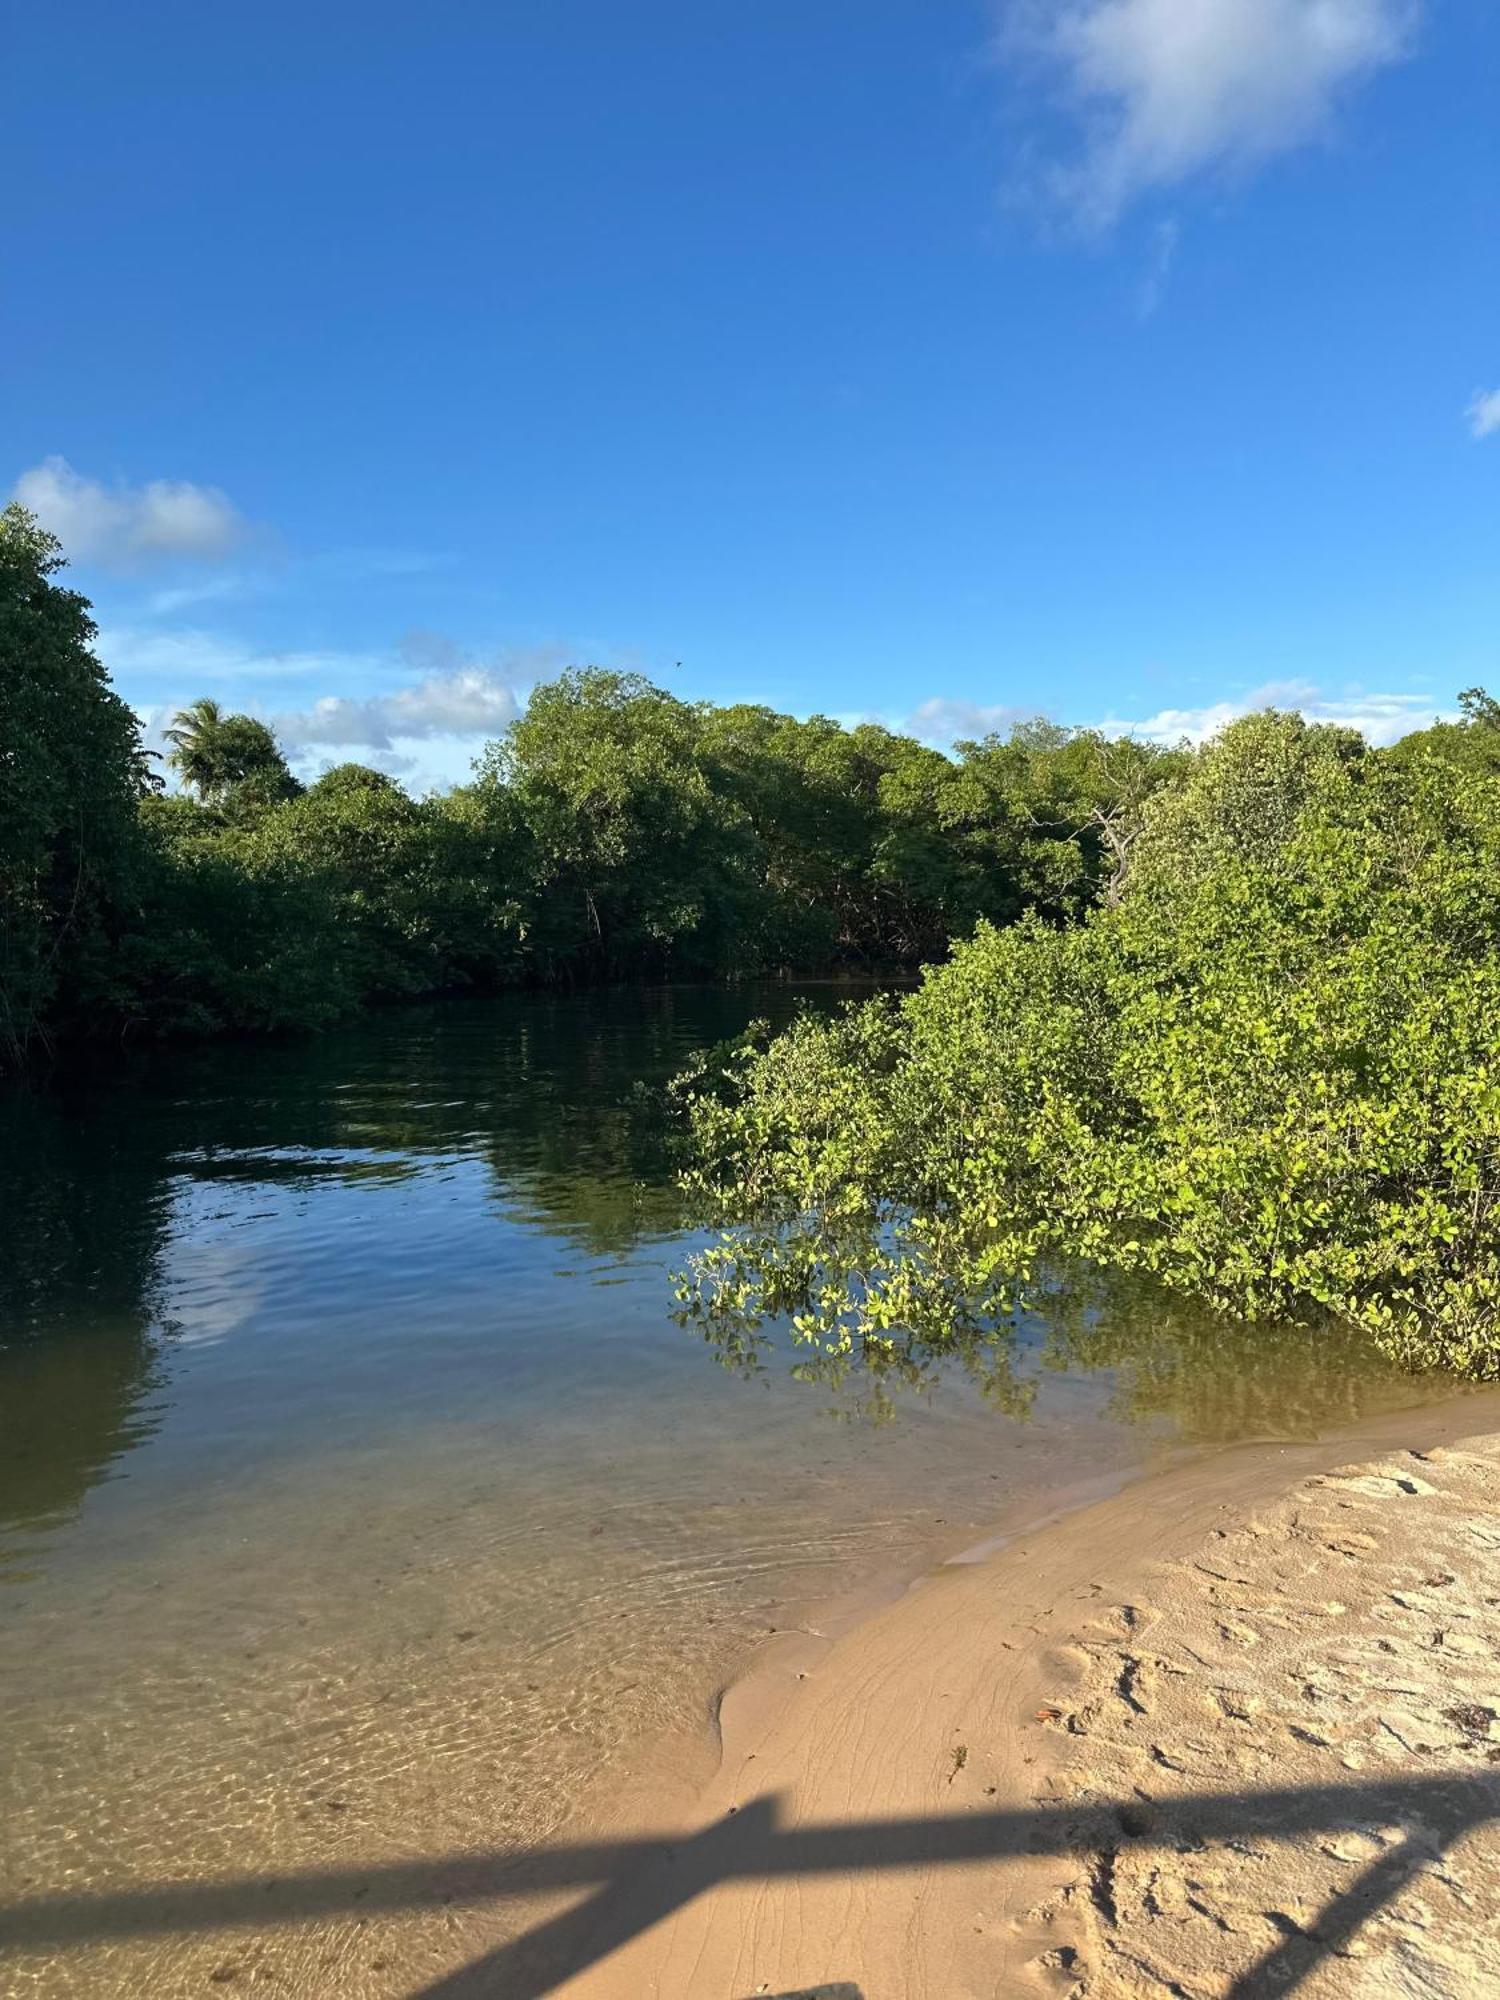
(1233, 1729)
(363, 1511)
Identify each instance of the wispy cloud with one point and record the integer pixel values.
(286, 572)
(218, 589)
(1484, 413)
(128, 527)
(1161, 91)
(186, 657)
(1164, 239)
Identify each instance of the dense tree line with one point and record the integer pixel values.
(1266, 1075)
(1224, 1021)
(614, 832)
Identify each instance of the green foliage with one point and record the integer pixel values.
(637, 863)
(228, 760)
(1221, 1023)
(1055, 813)
(1479, 709)
(854, 861)
(416, 892)
(1473, 741)
(662, 837)
(614, 832)
(230, 936)
(1268, 1077)
(71, 769)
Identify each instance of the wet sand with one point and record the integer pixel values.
(1234, 1731)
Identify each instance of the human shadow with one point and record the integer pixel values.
(636, 1884)
(840, 1989)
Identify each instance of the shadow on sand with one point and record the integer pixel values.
(638, 1883)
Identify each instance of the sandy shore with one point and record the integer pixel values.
(1232, 1731)
(1235, 1731)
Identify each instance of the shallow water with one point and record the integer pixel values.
(361, 1500)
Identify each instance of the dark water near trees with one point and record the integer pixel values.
(359, 1496)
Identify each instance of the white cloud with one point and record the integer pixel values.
(432, 705)
(473, 702)
(1484, 413)
(1167, 89)
(941, 721)
(1380, 718)
(457, 701)
(127, 527)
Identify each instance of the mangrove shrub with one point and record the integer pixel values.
(1268, 1076)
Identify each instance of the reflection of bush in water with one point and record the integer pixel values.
(1215, 1380)
(83, 1213)
(559, 1097)
(870, 1383)
(89, 1175)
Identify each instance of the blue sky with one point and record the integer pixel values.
(1118, 359)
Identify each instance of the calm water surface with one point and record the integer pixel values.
(361, 1500)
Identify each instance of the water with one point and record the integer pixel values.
(361, 1501)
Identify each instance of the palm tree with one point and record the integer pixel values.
(228, 759)
(198, 747)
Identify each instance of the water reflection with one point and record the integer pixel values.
(83, 1217)
(1210, 1380)
(557, 1098)
(1217, 1381)
(362, 1499)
